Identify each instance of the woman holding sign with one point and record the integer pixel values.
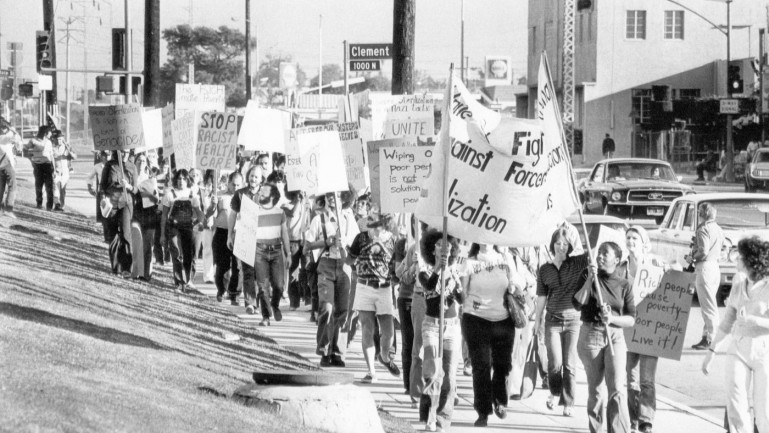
(641, 369)
(747, 320)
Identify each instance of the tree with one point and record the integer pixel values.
(331, 72)
(218, 56)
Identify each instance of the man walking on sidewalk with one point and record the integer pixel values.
(707, 249)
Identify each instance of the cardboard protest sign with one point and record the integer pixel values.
(152, 122)
(216, 145)
(264, 129)
(198, 97)
(402, 171)
(183, 131)
(246, 227)
(302, 163)
(509, 181)
(354, 161)
(167, 115)
(402, 116)
(320, 167)
(662, 314)
(116, 127)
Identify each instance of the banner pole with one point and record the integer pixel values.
(445, 246)
(122, 174)
(596, 286)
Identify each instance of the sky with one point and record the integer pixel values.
(284, 27)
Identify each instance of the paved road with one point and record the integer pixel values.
(679, 382)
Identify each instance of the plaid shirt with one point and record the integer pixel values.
(373, 257)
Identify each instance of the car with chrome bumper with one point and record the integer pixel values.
(739, 215)
(631, 187)
(757, 171)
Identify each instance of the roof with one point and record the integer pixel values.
(649, 160)
(504, 93)
(715, 196)
(595, 219)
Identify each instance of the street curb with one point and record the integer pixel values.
(690, 410)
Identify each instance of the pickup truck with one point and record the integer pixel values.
(738, 214)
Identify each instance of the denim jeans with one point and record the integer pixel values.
(7, 183)
(182, 246)
(407, 339)
(268, 271)
(143, 237)
(490, 345)
(440, 372)
(561, 341)
(416, 382)
(225, 261)
(641, 389)
(43, 177)
(333, 300)
(600, 363)
(748, 364)
(117, 229)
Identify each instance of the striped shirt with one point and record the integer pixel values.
(269, 220)
(560, 285)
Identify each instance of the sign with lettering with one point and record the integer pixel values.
(152, 122)
(199, 97)
(116, 127)
(662, 313)
(216, 145)
(402, 171)
(167, 114)
(183, 131)
(354, 162)
(264, 129)
(314, 162)
(370, 51)
(365, 65)
(402, 116)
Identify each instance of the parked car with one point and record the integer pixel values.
(594, 224)
(631, 187)
(739, 215)
(757, 171)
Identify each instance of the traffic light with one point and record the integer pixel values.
(136, 81)
(6, 92)
(43, 50)
(119, 50)
(25, 90)
(577, 141)
(734, 80)
(584, 4)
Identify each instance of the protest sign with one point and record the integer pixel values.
(216, 145)
(509, 181)
(198, 97)
(402, 171)
(354, 162)
(167, 115)
(662, 314)
(317, 163)
(608, 234)
(246, 227)
(183, 131)
(116, 127)
(372, 162)
(264, 129)
(152, 122)
(301, 164)
(402, 116)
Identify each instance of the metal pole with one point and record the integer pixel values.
(129, 64)
(248, 50)
(729, 137)
(445, 246)
(85, 76)
(462, 44)
(346, 70)
(66, 82)
(761, 59)
(320, 58)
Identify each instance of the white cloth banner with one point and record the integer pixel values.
(509, 181)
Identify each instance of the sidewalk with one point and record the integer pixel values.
(297, 333)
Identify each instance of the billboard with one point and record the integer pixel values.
(499, 71)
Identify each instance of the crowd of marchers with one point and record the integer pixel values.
(356, 266)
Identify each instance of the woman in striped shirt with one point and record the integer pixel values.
(557, 283)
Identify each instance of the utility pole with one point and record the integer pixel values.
(67, 38)
(151, 53)
(462, 46)
(729, 137)
(404, 18)
(248, 50)
(320, 59)
(128, 54)
(49, 97)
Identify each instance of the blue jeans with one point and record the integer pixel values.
(641, 389)
(182, 246)
(490, 345)
(407, 338)
(440, 372)
(416, 382)
(561, 341)
(600, 364)
(268, 270)
(333, 300)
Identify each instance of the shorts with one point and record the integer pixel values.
(379, 300)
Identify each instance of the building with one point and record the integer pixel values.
(623, 48)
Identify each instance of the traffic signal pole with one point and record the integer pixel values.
(729, 132)
(128, 54)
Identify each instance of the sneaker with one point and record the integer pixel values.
(234, 301)
(482, 421)
(178, 289)
(325, 361)
(456, 401)
(250, 309)
(391, 367)
(568, 411)
(265, 322)
(431, 426)
(515, 397)
(219, 298)
(337, 361)
(58, 208)
(500, 411)
(126, 274)
(550, 402)
(278, 315)
(704, 344)
(369, 378)
(190, 286)
(313, 319)
(39, 206)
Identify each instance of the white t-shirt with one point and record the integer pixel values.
(183, 194)
(489, 278)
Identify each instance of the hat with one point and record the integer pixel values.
(374, 220)
(641, 232)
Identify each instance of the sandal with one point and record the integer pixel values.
(550, 402)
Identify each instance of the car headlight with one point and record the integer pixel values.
(616, 196)
(733, 254)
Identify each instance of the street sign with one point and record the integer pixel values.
(5, 73)
(370, 51)
(730, 106)
(365, 65)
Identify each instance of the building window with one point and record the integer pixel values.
(636, 25)
(642, 99)
(688, 93)
(674, 24)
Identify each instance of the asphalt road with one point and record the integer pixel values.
(678, 381)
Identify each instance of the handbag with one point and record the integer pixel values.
(516, 308)
(313, 265)
(530, 370)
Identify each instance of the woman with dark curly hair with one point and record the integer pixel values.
(747, 320)
(439, 370)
